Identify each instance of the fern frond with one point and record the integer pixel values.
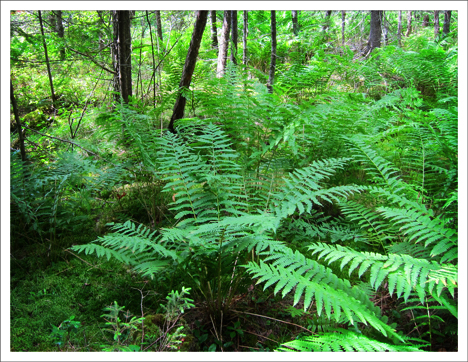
(292, 270)
(403, 272)
(342, 340)
(421, 228)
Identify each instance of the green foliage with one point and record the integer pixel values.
(343, 341)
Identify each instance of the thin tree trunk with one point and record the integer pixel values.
(19, 128)
(385, 28)
(189, 66)
(436, 23)
(159, 25)
(154, 62)
(214, 30)
(408, 22)
(326, 24)
(447, 16)
(234, 37)
(60, 32)
(295, 23)
(399, 28)
(223, 46)
(343, 24)
(244, 39)
(47, 61)
(115, 55)
(271, 78)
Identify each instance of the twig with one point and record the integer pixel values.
(78, 257)
(278, 320)
(59, 139)
(258, 335)
(93, 60)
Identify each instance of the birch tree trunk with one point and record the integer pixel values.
(47, 61)
(271, 78)
(224, 43)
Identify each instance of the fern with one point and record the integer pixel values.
(402, 272)
(292, 270)
(342, 340)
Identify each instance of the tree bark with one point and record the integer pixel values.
(60, 32)
(214, 30)
(426, 21)
(234, 37)
(399, 28)
(343, 24)
(436, 23)
(326, 24)
(271, 77)
(295, 22)
(47, 62)
(159, 25)
(19, 128)
(244, 39)
(408, 22)
(447, 16)
(189, 67)
(375, 31)
(124, 52)
(152, 54)
(223, 46)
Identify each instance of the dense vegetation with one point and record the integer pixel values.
(318, 212)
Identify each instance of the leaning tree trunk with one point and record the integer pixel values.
(295, 22)
(234, 37)
(123, 52)
(447, 16)
(271, 77)
(436, 23)
(19, 128)
(375, 31)
(399, 29)
(47, 62)
(408, 22)
(214, 30)
(326, 24)
(385, 28)
(244, 38)
(189, 66)
(223, 47)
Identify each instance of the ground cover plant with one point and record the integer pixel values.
(296, 191)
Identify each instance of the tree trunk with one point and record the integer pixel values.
(385, 28)
(223, 46)
(426, 21)
(123, 53)
(343, 24)
(19, 128)
(60, 32)
(399, 28)
(214, 30)
(152, 54)
(271, 77)
(47, 61)
(244, 38)
(447, 16)
(234, 37)
(159, 25)
(375, 31)
(326, 24)
(408, 22)
(436, 23)
(189, 66)
(295, 23)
